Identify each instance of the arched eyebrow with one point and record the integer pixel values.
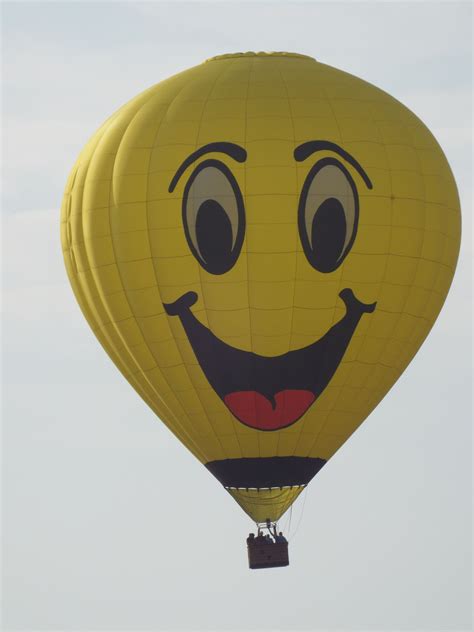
(306, 149)
(236, 152)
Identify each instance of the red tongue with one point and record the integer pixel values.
(253, 409)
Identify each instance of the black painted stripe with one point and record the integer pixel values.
(231, 149)
(306, 149)
(275, 471)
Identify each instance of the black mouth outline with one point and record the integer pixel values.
(231, 370)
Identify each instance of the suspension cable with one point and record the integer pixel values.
(289, 521)
(301, 516)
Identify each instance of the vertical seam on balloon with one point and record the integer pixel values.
(98, 330)
(179, 425)
(132, 376)
(230, 416)
(340, 287)
(296, 247)
(251, 67)
(140, 370)
(380, 288)
(85, 291)
(402, 312)
(378, 363)
(381, 282)
(440, 267)
(217, 77)
(196, 391)
(328, 100)
(324, 423)
(234, 421)
(307, 420)
(157, 286)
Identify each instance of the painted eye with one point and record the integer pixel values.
(213, 216)
(328, 213)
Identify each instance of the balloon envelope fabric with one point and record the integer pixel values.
(261, 244)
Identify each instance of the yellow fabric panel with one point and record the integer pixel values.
(265, 503)
(126, 251)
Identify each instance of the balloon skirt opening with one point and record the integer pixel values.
(263, 504)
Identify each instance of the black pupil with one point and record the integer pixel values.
(328, 234)
(214, 234)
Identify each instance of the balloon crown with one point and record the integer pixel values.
(263, 54)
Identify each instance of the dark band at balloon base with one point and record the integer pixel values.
(264, 473)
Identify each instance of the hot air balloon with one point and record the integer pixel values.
(261, 244)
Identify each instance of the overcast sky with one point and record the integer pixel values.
(108, 523)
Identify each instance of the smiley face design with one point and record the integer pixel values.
(269, 393)
(261, 243)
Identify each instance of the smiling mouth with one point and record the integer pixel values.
(269, 393)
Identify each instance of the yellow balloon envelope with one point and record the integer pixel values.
(261, 244)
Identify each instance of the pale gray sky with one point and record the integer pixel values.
(108, 523)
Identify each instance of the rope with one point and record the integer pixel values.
(289, 522)
(301, 516)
